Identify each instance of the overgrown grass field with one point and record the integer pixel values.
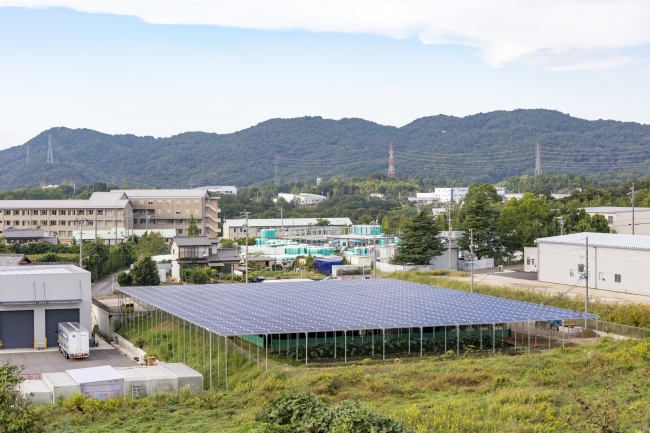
(543, 392)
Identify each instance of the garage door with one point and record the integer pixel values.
(52, 319)
(17, 329)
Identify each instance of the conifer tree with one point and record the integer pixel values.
(420, 241)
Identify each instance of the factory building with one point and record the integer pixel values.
(616, 262)
(34, 299)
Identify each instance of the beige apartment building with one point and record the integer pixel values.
(113, 215)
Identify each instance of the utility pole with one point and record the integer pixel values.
(95, 212)
(449, 235)
(471, 249)
(246, 251)
(81, 242)
(281, 221)
(146, 230)
(586, 274)
(374, 247)
(632, 208)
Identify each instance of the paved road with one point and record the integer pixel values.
(52, 361)
(104, 287)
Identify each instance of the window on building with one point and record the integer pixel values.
(16, 223)
(187, 202)
(43, 223)
(601, 276)
(43, 212)
(62, 223)
(169, 211)
(197, 201)
(169, 201)
(617, 257)
(109, 223)
(17, 212)
(120, 223)
(572, 272)
(34, 212)
(52, 212)
(189, 252)
(91, 212)
(140, 201)
(634, 258)
(135, 391)
(119, 212)
(178, 201)
(150, 201)
(170, 221)
(80, 212)
(110, 212)
(187, 211)
(610, 219)
(179, 231)
(69, 233)
(617, 278)
(100, 223)
(34, 222)
(52, 222)
(196, 211)
(159, 212)
(159, 201)
(143, 221)
(178, 212)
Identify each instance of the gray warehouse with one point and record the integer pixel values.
(616, 262)
(34, 299)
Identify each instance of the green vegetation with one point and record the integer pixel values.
(570, 390)
(420, 241)
(626, 314)
(145, 273)
(16, 412)
(192, 229)
(351, 147)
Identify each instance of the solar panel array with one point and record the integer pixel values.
(254, 309)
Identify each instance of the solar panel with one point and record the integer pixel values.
(253, 309)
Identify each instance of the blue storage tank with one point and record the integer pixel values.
(323, 265)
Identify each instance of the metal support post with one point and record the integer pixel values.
(334, 344)
(409, 341)
(563, 334)
(219, 362)
(597, 336)
(210, 358)
(457, 340)
(480, 336)
(515, 336)
(306, 344)
(266, 338)
(345, 346)
(494, 339)
(529, 337)
(549, 335)
(445, 339)
(372, 349)
(421, 336)
(296, 346)
(225, 341)
(383, 356)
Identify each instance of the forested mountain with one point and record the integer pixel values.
(484, 147)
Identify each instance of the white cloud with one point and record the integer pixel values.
(553, 34)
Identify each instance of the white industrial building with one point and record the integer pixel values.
(229, 190)
(446, 195)
(234, 228)
(616, 262)
(620, 218)
(34, 299)
(302, 199)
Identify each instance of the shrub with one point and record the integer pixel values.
(124, 279)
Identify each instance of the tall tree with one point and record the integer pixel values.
(480, 212)
(17, 413)
(522, 221)
(145, 273)
(192, 229)
(420, 241)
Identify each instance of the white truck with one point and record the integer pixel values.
(74, 340)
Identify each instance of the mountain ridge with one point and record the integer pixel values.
(480, 147)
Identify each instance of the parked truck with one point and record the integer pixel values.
(74, 340)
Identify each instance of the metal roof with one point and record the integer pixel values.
(631, 242)
(287, 222)
(94, 374)
(194, 241)
(246, 309)
(41, 270)
(615, 209)
(23, 233)
(163, 193)
(96, 200)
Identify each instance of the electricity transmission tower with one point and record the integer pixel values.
(538, 160)
(50, 156)
(391, 161)
(276, 180)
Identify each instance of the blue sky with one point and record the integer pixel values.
(128, 72)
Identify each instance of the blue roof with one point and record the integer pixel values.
(335, 305)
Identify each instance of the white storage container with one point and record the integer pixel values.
(61, 384)
(161, 379)
(187, 377)
(136, 384)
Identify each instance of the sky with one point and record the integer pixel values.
(163, 68)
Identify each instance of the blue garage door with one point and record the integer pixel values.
(52, 319)
(17, 329)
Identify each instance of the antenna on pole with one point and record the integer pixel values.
(276, 180)
(538, 160)
(50, 156)
(391, 162)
